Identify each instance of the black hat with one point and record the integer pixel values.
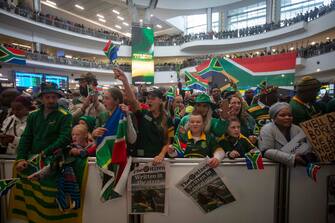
(50, 87)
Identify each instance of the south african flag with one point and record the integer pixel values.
(11, 55)
(110, 51)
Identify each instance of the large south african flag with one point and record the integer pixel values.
(12, 55)
(249, 72)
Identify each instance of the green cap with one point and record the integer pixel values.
(50, 87)
(90, 121)
(203, 98)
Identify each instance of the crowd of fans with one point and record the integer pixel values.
(63, 23)
(304, 52)
(248, 31)
(66, 128)
(317, 49)
(167, 40)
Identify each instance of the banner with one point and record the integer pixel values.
(205, 187)
(147, 184)
(277, 70)
(142, 56)
(320, 132)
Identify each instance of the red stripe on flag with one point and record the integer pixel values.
(200, 79)
(260, 163)
(107, 45)
(16, 51)
(203, 65)
(284, 61)
(119, 152)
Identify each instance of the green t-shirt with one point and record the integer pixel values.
(151, 136)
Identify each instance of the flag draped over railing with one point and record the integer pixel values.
(111, 156)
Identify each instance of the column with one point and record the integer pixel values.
(209, 19)
(269, 6)
(225, 20)
(276, 11)
(37, 6)
(220, 21)
(273, 11)
(36, 47)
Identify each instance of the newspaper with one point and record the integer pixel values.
(205, 187)
(147, 185)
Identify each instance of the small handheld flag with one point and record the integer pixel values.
(179, 146)
(171, 93)
(254, 160)
(312, 170)
(6, 185)
(110, 50)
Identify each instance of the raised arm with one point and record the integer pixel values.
(120, 75)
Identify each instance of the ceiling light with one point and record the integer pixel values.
(102, 20)
(51, 3)
(159, 26)
(79, 7)
(328, 38)
(68, 56)
(100, 16)
(313, 43)
(151, 15)
(128, 34)
(141, 20)
(283, 75)
(257, 52)
(120, 18)
(318, 70)
(126, 24)
(3, 79)
(291, 48)
(273, 50)
(117, 26)
(116, 12)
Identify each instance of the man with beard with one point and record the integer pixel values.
(304, 106)
(48, 128)
(89, 104)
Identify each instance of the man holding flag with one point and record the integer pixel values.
(47, 134)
